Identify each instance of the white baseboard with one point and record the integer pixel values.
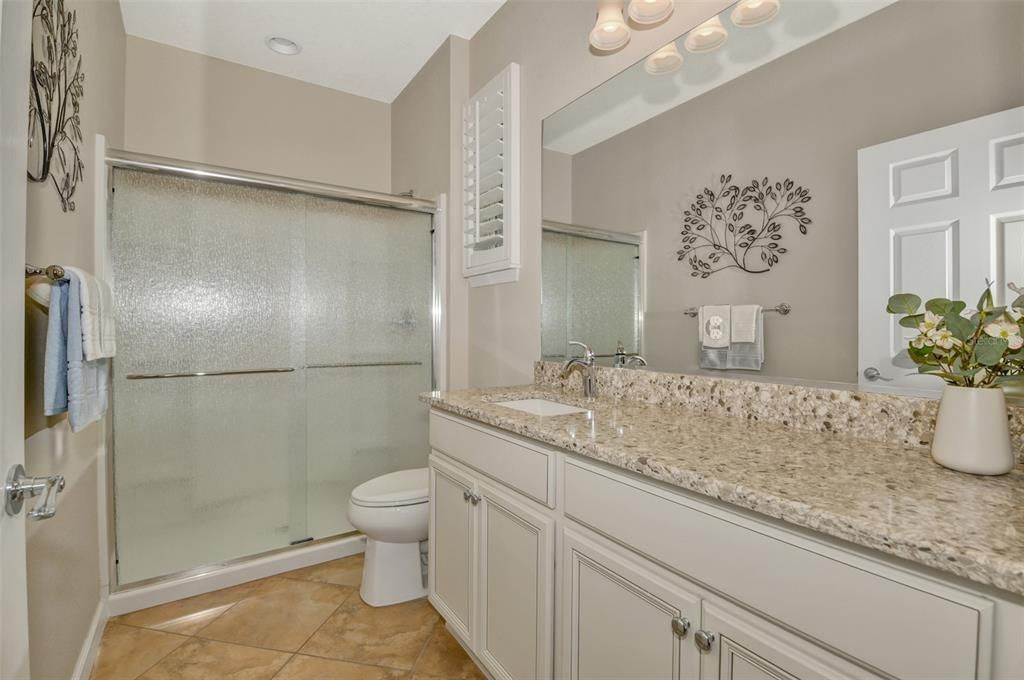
(91, 644)
(133, 599)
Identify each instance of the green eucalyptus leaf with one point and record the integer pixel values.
(904, 303)
(989, 351)
(938, 306)
(960, 327)
(985, 301)
(1018, 303)
(912, 321)
(957, 307)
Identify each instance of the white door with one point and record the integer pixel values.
(452, 559)
(940, 213)
(15, 33)
(619, 620)
(516, 593)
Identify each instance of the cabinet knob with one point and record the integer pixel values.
(704, 640)
(466, 495)
(680, 626)
(474, 498)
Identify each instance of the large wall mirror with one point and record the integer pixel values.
(816, 154)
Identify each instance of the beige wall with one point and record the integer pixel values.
(65, 582)
(184, 105)
(903, 70)
(548, 38)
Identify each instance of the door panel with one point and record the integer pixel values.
(617, 617)
(516, 579)
(940, 214)
(452, 547)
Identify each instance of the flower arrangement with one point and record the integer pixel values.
(983, 350)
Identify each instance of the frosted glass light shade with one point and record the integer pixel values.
(754, 12)
(610, 32)
(650, 11)
(664, 61)
(707, 37)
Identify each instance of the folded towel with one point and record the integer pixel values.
(97, 315)
(55, 365)
(714, 325)
(744, 322)
(748, 356)
(87, 380)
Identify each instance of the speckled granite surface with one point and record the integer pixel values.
(882, 495)
(869, 415)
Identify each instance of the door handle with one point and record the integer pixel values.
(20, 486)
(873, 374)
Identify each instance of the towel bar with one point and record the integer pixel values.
(54, 272)
(781, 308)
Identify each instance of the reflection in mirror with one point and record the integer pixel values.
(826, 155)
(591, 282)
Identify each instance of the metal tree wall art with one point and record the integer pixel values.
(54, 123)
(736, 228)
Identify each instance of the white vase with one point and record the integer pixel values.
(972, 432)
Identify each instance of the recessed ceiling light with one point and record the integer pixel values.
(754, 12)
(650, 11)
(707, 37)
(283, 45)
(664, 61)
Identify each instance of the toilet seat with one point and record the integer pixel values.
(396, 489)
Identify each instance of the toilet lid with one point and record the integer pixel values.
(405, 487)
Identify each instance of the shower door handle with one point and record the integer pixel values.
(202, 374)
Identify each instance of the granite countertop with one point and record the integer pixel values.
(888, 497)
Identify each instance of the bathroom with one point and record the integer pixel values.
(512, 339)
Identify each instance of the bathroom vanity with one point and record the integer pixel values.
(649, 541)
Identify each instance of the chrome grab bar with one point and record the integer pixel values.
(253, 371)
(200, 374)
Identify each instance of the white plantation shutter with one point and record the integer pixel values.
(490, 181)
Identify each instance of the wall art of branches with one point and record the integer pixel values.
(741, 228)
(55, 123)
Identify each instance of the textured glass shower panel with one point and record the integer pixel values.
(369, 283)
(591, 294)
(206, 468)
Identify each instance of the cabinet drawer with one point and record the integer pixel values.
(912, 627)
(525, 468)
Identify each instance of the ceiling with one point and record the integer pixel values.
(371, 48)
(634, 96)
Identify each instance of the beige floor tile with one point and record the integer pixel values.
(313, 668)
(127, 652)
(444, 657)
(190, 615)
(281, 615)
(348, 571)
(387, 636)
(201, 659)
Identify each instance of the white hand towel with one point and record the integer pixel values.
(714, 326)
(744, 322)
(98, 338)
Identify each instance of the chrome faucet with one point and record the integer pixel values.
(585, 365)
(624, 360)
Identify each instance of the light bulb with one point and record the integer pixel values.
(650, 11)
(707, 37)
(754, 12)
(610, 32)
(664, 61)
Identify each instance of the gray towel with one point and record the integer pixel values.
(748, 356)
(55, 366)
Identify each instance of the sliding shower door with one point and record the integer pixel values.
(271, 349)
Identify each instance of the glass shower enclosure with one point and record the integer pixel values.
(272, 347)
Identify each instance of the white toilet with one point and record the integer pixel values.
(392, 511)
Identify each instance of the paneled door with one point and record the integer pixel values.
(452, 546)
(940, 213)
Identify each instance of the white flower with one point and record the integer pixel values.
(930, 323)
(1007, 330)
(944, 339)
(922, 341)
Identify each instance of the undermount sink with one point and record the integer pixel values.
(541, 407)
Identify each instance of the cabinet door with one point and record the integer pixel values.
(620, 620)
(452, 546)
(747, 647)
(515, 635)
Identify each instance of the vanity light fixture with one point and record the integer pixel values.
(664, 61)
(754, 12)
(650, 11)
(283, 45)
(707, 37)
(610, 32)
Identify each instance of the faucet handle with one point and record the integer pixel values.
(588, 353)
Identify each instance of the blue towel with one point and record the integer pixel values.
(55, 367)
(87, 380)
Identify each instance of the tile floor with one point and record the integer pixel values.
(303, 625)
